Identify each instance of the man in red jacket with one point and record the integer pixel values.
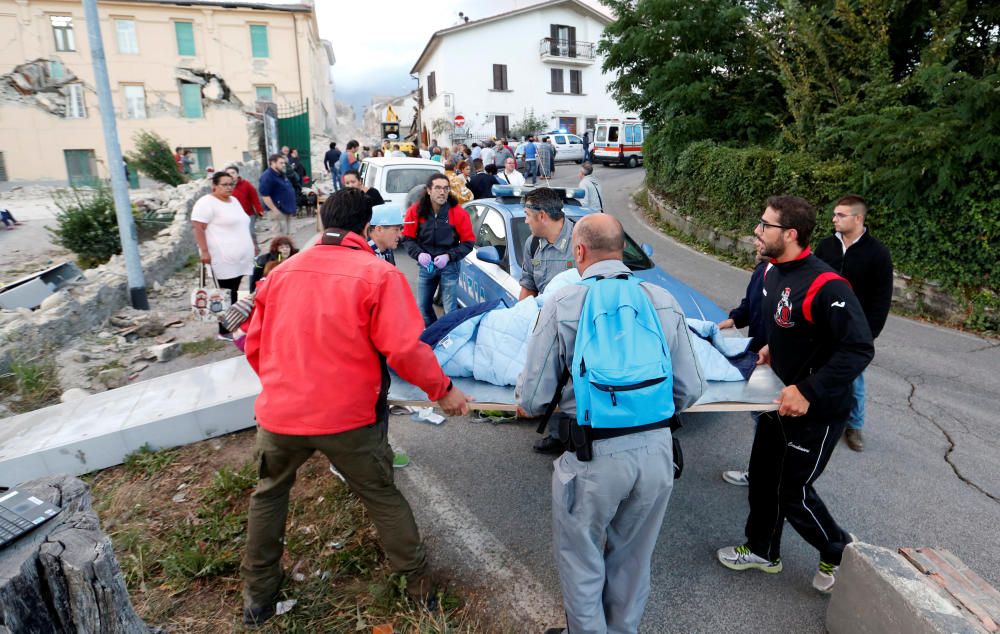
(246, 193)
(326, 326)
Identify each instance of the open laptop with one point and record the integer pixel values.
(21, 512)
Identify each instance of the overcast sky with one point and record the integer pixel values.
(377, 46)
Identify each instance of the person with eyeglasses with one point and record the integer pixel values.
(866, 263)
(222, 232)
(437, 233)
(817, 343)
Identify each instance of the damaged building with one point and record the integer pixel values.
(194, 72)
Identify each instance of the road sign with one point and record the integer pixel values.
(459, 121)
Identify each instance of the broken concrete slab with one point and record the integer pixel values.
(879, 591)
(166, 351)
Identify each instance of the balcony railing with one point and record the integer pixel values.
(550, 47)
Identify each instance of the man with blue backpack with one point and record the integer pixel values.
(615, 354)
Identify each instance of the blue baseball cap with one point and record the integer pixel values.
(386, 215)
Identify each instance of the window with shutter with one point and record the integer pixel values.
(502, 125)
(553, 39)
(258, 40)
(191, 100)
(557, 80)
(185, 38)
(499, 77)
(431, 87)
(575, 82)
(571, 36)
(62, 31)
(76, 107)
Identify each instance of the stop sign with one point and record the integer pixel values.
(459, 121)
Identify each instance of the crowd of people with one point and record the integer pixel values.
(811, 316)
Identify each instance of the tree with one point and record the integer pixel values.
(529, 125)
(152, 157)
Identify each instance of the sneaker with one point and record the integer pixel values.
(225, 337)
(255, 617)
(740, 558)
(825, 577)
(400, 460)
(739, 478)
(334, 471)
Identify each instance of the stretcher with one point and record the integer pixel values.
(757, 394)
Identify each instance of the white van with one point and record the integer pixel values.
(394, 177)
(618, 141)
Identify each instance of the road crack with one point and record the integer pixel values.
(947, 436)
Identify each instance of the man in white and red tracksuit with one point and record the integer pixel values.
(818, 342)
(325, 327)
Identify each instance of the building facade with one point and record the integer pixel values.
(496, 71)
(193, 72)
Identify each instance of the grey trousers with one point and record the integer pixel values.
(606, 518)
(283, 224)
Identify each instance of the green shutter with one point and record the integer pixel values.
(265, 93)
(258, 40)
(185, 38)
(191, 101)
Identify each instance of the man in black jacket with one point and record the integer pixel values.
(867, 265)
(818, 342)
(481, 184)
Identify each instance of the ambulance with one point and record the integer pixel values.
(618, 141)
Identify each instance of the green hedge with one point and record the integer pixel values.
(949, 239)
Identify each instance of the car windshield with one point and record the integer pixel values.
(401, 180)
(635, 258)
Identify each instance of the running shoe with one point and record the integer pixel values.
(825, 577)
(739, 478)
(740, 558)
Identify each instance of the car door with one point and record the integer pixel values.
(481, 281)
(574, 151)
(560, 146)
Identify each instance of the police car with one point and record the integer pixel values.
(493, 269)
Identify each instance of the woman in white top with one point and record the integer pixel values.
(510, 175)
(222, 231)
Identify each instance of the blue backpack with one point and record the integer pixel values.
(622, 374)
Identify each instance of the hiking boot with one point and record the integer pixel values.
(854, 439)
(549, 445)
(423, 590)
(740, 558)
(825, 577)
(255, 617)
(739, 478)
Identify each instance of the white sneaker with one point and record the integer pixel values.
(334, 471)
(739, 478)
(826, 576)
(740, 558)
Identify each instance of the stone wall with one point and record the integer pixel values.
(83, 306)
(909, 294)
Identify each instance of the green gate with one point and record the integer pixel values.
(293, 131)
(81, 168)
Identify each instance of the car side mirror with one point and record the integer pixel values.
(648, 250)
(488, 254)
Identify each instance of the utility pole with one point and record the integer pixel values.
(116, 166)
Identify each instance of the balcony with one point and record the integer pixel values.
(567, 52)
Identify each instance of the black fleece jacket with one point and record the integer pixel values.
(817, 334)
(867, 265)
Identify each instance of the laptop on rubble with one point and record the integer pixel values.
(21, 512)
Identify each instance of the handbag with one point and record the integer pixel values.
(209, 303)
(237, 314)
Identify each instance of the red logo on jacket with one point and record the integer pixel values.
(783, 314)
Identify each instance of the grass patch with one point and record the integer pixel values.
(202, 346)
(177, 520)
(30, 384)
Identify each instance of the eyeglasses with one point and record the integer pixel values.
(442, 188)
(767, 225)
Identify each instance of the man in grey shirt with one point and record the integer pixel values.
(606, 512)
(594, 198)
(547, 252)
(545, 155)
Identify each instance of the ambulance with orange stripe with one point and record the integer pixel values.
(618, 141)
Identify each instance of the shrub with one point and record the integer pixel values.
(153, 157)
(86, 225)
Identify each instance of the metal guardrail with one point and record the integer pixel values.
(570, 49)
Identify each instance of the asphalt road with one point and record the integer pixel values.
(930, 476)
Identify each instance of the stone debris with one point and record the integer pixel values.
(73, 394)
(166, 351)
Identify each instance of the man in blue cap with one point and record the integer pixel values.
(385, 230)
